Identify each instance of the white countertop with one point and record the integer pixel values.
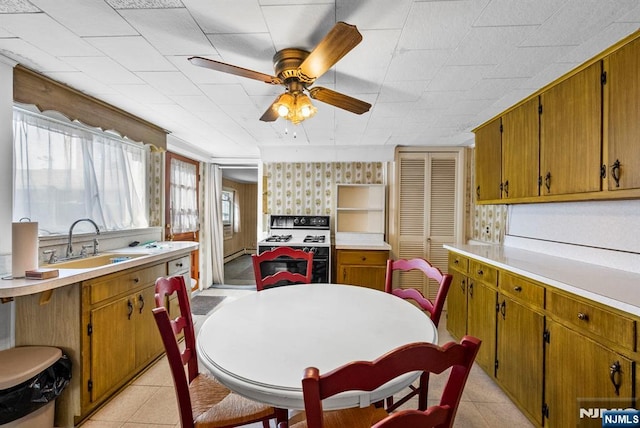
(360, 241)
(162, 250)
(612, 287)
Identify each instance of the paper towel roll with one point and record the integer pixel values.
(24, 247)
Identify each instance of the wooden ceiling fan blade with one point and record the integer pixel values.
(234, 69)
(339, 100)
(271, 114)
(337, 43)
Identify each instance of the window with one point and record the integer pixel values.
(183, 187)
(227, 211)
(64, 171)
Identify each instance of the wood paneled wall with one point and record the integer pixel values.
(245, 238)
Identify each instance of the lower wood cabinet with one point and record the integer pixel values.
(560, 357)
(366, 268)
(105, 326)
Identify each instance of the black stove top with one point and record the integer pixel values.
(314, 238)
(278, 238)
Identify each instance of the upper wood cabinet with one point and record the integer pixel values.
(570, 134)
(488, 161)
(622, 91)
(520, 151)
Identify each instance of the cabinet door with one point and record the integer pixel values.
(623, 128)
(365, 276)
(520, 355)
(520, 151)
(112, 345)
(488, 161)
(457, 305)
(148, 341)
(481, 321)
(578, 368)
(570, 129)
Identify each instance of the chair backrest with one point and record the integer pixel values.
(283, 275)
(444, 280)
(367, 376)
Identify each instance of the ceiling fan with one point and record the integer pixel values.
(297, 70)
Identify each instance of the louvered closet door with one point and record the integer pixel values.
(426, 213)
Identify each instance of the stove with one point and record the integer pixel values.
(308, 233)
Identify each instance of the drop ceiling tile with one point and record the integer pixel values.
(202, 107)
(458, 77)
(82, 82)
(169, 82)
(17, 6)
(104, 70)
(578, 20)
(31, 56)
(224, 16)
(492, 88)
(528, 12)
(170, 31)
(439, 24)
(133, 53)
(416, 64)
(402, 91)
(48, 35)
(600, 42)
(632, 16)
(86, 17)
(489, 45)
(373, 14)
(143, 94)
(528, 61)
(299, 26)
(253, 51)
(144, 4)
(226, 94)
(547, 75)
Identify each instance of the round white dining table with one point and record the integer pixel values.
(259, 345)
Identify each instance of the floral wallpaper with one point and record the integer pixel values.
(308, 188)
(156, 188)
(486, 222)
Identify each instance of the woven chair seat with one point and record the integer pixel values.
(214, 405)
(351, 418)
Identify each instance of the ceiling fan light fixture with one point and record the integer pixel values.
(304, 106)
(284, 105)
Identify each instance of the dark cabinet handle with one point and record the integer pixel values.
(462, 284)
(129, 308)
(506, 188)
(547, 181)
(478, 192)
(615, 172)
(615, 374)
(141, 300)
(136, 280)
(455, 262)
(480, 272)
(179, 265)
(517, 289)
(471, 289)
(503, 309)
(583, 317)
(344, 275)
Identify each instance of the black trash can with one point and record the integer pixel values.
(31, 378)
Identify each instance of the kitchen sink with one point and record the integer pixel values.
(95, 261)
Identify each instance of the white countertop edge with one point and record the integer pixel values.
(582, 279)
(362, 246)
(23, 287)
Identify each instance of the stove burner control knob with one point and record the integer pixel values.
(303, 220)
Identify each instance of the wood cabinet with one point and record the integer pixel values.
(570, 134)
(481, 311)
(519, 351)
(520, 151)
(366, 268)
(488, 161)
(457, 296)
(622, 91)
(121, 333)
(105, 326)
(560, 357)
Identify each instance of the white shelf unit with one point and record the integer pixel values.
(360, 208)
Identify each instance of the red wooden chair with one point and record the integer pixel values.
(202, 401)
(367, 376)
(433, 308)
(283, 276)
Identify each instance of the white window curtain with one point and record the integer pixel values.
(212, 249)
(64, 171)
(184, 197)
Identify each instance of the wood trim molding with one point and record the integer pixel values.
(30, 87)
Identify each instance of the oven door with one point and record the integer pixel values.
(319, 267)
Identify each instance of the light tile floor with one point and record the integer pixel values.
(149, 401)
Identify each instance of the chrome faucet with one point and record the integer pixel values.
(95, 240)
